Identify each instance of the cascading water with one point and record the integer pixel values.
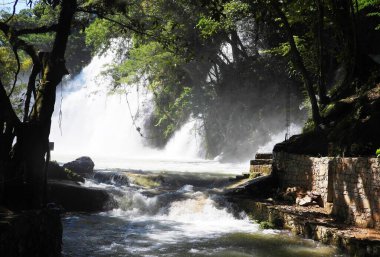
(96, 122)
(159, 213)
(88, 120)
(175, 218)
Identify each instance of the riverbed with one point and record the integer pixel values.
(168, 213)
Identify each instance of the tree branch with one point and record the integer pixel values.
(39, 30)
(13, 13)
(17, 42)
(298, 62)
(121, 24)
(31, 88)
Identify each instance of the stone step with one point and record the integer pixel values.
(264, 156)
(261, 162)
(263, 169)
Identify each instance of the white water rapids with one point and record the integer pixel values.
(172, 203)
(183, 215)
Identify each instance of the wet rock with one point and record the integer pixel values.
(73, 197)
(113, 178)
(55, 171)
(83, 165)
(259, 187)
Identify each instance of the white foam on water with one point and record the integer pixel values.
(184, 213)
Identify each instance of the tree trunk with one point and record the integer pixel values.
(8, 123)
(322, 78)
(32, 146)
(299, 64)
(343, 13)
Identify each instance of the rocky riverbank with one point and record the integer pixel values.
(304, 194)
(65, 187)
(38, 233)
(313, 223)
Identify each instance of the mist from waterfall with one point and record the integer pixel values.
(92, 121)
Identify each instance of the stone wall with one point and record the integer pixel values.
(265, 169)
(351, 186)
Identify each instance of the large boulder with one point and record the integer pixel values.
(83, 165)
(312, 143)
(261, 187)
(55, 171)
(74, 197)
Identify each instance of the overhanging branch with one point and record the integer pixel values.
(38, 30)
(121, 24)
(17, 70)
(17, 42)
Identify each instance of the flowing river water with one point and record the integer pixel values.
(175, 214)
(169, 200)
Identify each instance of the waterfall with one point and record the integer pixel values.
(88, 120)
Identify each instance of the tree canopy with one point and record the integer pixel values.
(234, 64)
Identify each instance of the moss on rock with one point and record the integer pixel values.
(55, 171)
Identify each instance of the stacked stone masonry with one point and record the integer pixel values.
(351, 186)
(262, 164)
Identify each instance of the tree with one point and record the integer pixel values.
(24, 139)
(30, 154)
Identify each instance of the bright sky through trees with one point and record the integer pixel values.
(7, 5)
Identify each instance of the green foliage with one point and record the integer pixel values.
(98, 34)
(149, 59)
(231, 12)
(161, 71)
(378, 153)
(177, 49)
(55, 171)
(309, 126)
(367, 3)
(373, 4)
(267, 225)
(272, 223)
(208, 26)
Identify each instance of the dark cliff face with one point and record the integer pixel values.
(311, 143)
(36, 233)
(350, 128)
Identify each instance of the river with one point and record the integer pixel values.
(175, 214)
(170, 202)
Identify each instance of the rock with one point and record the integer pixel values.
(304, 201)
(113, 178)
(260, 187)
(59, 173)
(311, 143)
(311, 198)
(74, 197)
(291, 194)
(83, 165)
